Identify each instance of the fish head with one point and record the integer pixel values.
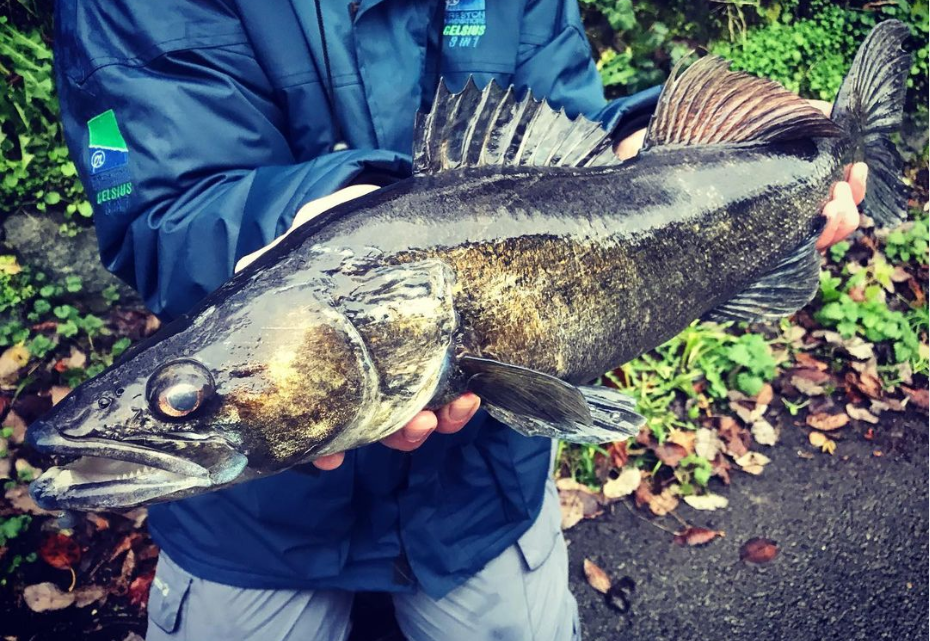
(144, 430)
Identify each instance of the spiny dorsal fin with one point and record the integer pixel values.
(483, 127)
(788, 287)
(709, 104)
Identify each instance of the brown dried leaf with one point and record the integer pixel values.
(662, 504)
(753, 462)
(99, 522)
(12, 360)
(827, 422)
(764, 432)
(860, 414)
(758, 550)
(22, 502)
(624, 485)
(807, 361)
(807, 387)
(88, 594)
(577, 503)
(597, 578)
(765, 395)
(60, 551)
(734, 437)
(707, 444)
(43, 597)
(919, 397)
(670, 453)
(694, 536)
(707, 501)
(58, 393)
(685, 438)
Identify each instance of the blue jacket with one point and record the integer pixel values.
(198, 129)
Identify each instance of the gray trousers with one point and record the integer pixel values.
(522, 595)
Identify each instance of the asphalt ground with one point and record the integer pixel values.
(852, 534)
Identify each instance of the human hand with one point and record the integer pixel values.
(841, 210)
(308, 212)
(446, 420)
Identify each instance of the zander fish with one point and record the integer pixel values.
(520, 261)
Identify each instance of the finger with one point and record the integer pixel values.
(456, 414)
(330, 461)
(412, 435)
(858, 177)
(847, 218)
(822, 105)
(831, 211)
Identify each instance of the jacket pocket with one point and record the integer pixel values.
(166, 597)
(537, 543)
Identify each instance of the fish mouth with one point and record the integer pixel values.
(111, 474)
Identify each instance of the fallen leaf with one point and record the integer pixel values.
(825, 443)
(60, 551)
(12, 360)
(14, 421)
(577, 502)
(624, 485)
(919, 397)
(693, 536)
(43, 597)
(764, 433)
(662, 504)
(860, 414)
(137, 516)
(758, 550)
(721, 468)
(139, 589)
(22, 502)
(597, 578)
(806, 360)
(707, 502)
(685, 438)
(765, 395)
(99, 522)
(26, 471)
(734, 437)
(827, 422)
(746, 414)
(88, 594)
(707, 444)
(893, 404)
(126, 543)
(58, 393)
(807, 387)
(670, 453)
(753, 462)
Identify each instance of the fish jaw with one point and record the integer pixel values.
(112, 474)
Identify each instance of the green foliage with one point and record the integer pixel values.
(909, 242)
(13, 526)
(33, 157)
(659, 380)
(808, 46)
(869, 316)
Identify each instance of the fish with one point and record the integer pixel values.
(520, 261)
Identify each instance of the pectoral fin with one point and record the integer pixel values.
(536, 404)
(781, 292)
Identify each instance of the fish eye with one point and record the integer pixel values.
(179, 388)
(103, 402)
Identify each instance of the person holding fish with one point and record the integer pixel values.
(203, 132)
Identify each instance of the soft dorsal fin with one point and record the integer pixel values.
(709, 104)
(482, 127)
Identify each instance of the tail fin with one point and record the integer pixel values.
(869, 107)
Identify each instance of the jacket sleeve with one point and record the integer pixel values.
(207, 175)
(555, 61)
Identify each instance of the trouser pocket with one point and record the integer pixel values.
(168, 592)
